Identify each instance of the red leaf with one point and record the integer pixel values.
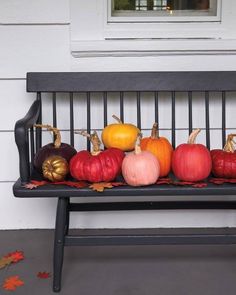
(34, 184)
(16, 256)
(183, 183)
(164, 181)
(118, 183)
(200, 185)
(78, 184)
(12, 283)
(43, 275)
(222, 180)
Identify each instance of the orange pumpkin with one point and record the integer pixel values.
(160, 147)
(120, 135)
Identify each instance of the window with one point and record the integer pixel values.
(163, 10)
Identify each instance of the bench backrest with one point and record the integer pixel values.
(208, 84)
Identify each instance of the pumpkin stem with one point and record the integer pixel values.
(137, 149)
(155, 133)
(229, 146)
(193, 135)
(96, 142)
(56, 133)
(117, 119)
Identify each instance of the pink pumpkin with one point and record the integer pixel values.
(140, 168)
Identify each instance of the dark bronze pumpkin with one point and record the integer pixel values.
(57, 148)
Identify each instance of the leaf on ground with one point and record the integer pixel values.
(43, 275)
(12, 283)
(15, 256)
(4, 261)
(100, 186)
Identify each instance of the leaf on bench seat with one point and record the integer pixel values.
(222, 180)
(34, 184)
(101, 186)
(164, 181)
(43, 275)
(15, 256)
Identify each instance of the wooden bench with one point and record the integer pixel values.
(29, 141)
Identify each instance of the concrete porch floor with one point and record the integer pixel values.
(121, 270)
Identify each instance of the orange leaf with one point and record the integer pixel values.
(4, 261)
(76, 184)
(34, 184)
(12, 283)
(100, 186)
(118, 183)
(43, 275)
(16, 256)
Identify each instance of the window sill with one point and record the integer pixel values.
(145, 48)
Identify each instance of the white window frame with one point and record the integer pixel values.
(126, 18)
(92, 35)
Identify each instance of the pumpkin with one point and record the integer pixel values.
(191, 161)
(120, 135)
(55, 168)
(57, 148)
(97, 166)
(224, 161)
(140, 168)
(160, 147)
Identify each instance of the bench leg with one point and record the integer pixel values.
(61, 222)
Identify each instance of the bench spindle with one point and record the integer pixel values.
(208, 144)
(156, 101)
(122, 106)
(88, 118)
(173, 118)
(190, 112)
(105, 108)
(223, 118)
(72, 141)
(39, 121)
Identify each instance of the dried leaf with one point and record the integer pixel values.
(114, 184)
(78, 184)
(200, 185)
(43, 275)
(12, 283)
(15, 256)
(4, 261)
(100, 186)
(222, 180)
(34, 184)
(183, 183)
(164, 181)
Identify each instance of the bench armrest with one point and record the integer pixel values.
(22, 139)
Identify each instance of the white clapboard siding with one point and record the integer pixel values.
(33, 48)
(157, 63)
(40, 11)
(20, 213)
(14, 102)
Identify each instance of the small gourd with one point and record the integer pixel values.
(160, 147)
(97, 166)
(140, 168)
(55, 168)
(57, 148)
(120, 135)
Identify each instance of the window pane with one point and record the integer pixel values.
(164, 8)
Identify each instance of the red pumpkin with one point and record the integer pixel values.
(98, 165)
(224, 161)
(191, 161)
(140, 168)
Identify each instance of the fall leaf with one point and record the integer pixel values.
(183, 183)
(222, 180)
(15, 256)
(34, 184)
(200, 185)
(114, 184)
(4, 261)
(100, 186)
(12, 283)
(43, 275)
(164, 181)
(78, 184)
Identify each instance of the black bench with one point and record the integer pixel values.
(29, 141)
